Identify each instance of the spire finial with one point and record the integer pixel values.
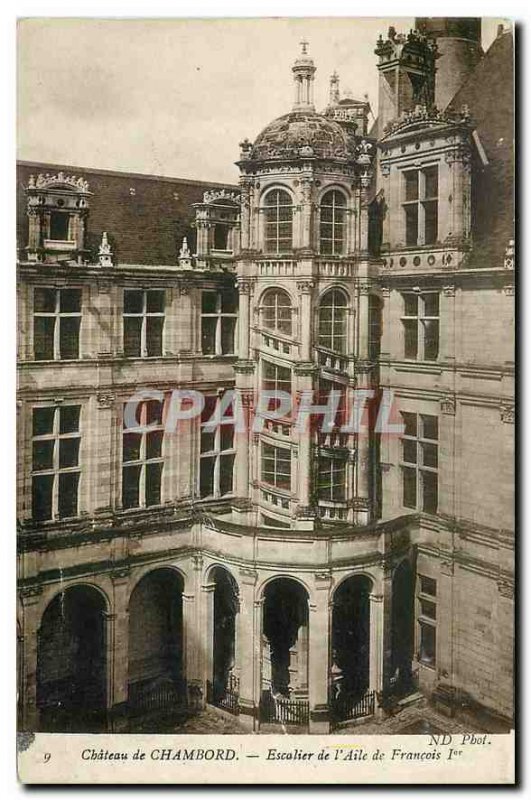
(304, 43)
(303, 72)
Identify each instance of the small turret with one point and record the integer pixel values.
(303, 73)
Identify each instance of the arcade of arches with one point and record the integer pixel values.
(238, 638)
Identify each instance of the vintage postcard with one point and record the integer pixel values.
(265, 400)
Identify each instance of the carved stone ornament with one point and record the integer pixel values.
(508, 261)
(448, 405)
(507, 413)
(105, 252)
(48, 181)
(214, 195)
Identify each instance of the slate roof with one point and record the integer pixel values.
(146, 216)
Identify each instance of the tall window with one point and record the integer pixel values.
(218, 322)
(276, 466)
(420, 204)
(275, 377)
(55, 462)
(143, 322)
(420, 447)
(278, 222)
(427, 619)
(331, 479)
(56, 323)
(333, 223)
(276, 311)
(142, 460)
(333, 321)
(216, 461)
(59, 226)
(421, 326)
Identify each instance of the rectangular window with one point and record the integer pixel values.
(56, 323)
(276, 466)
(55, 462)
(427, 616)
(219, 312)
(143, 322)
(428, 644)
(420, 201)
(59, 225)
(142, 458)
(419, 462)
(216, 461)
(332, 479)
(420, 323)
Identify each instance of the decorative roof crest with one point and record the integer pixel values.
(221, 194)
(426, 117)
(48, 181)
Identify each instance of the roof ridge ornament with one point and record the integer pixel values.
(423, 116)
(47, 181)
(105, 252)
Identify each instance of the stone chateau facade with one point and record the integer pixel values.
(298, 576)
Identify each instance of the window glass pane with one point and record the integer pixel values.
(43, 421)
(410, 305)
(409, 453)
(431, 339)
(206, 476)
(428, 585)
(429, 492)
(411, 185)
(133, 301)
(209, 302)
(154, 410)
(153, 483)
(131, 486)
(409, 487)
(59, 226)
(229, 302)
(43, 338)
(43, 454)
(69, 337)
(226, 469)
(155, 301)
(44, 299)
(69, 452)
(411, 343)
(228, 327)
(154, 444)
(431, 182)
(431, 305)
(428, 609)
(429, 455)
(430, 222)
(410, 421)
(226, 436)
(69, 419)
(131, 446)
(427, 644)
(412, 224)
(154, 326)
(208, 441)
(70, 301)
(68, 485)
(430, 427)
(132, 336)
(208, 335)
(41, 504)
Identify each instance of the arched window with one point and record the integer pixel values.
(276, 311)
(333, 221)
(333, 321)
(278, 222)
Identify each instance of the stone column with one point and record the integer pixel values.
(244, 289)
(363, 321)
(447, 324)
(207, 634)
(245, 218)
(191, 646)
(319, 646)
(306, 226)
(117, 650)
(304, 454)
(248, 654)
(32, 613)
(376, 644)
(305, 289)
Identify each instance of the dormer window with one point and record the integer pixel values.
(420, 203)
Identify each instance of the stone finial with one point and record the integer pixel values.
(185, 256)
(105, 252)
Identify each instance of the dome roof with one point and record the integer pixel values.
(302, 133)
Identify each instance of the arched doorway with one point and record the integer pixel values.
(284, 696)
(402, 628)
(71, 662)
(156, 664)
(223, 683)
(350, 643)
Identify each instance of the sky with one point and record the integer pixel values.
(175, 97)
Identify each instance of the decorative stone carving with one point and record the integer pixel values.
(305, 287)
(185, 256)
(48, 181)
(506, 588)
(449, 291)
(507, 413)
(105, 252)
(448, 405)
(105, 400)
(214, 195)
(509, 289)
(197, 561)
(508, 261)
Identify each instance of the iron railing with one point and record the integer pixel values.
(284, 710)
(227, 698)
(350, 707)
(155, 697)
